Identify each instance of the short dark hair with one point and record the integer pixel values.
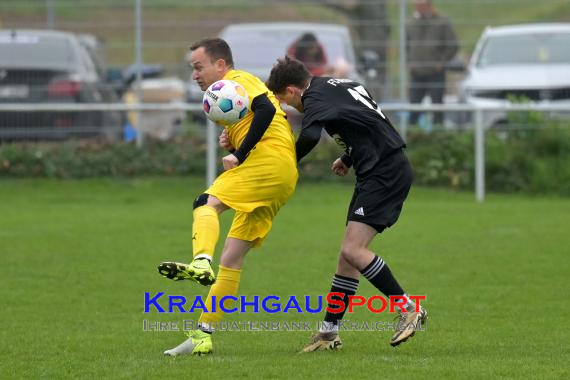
(288, 72)
(216, 48)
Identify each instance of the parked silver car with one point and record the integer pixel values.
(42, 66)
(519, 63)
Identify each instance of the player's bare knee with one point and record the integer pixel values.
(346, 268)
(215, 203)
(349, 251)
(200, 200)
(209, 200)
(354, 252)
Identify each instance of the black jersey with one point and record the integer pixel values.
(351, 117)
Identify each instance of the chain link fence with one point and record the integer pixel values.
(87, 52)
(170, 26)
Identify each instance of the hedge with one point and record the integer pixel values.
(535, 159)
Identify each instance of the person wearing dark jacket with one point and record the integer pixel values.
(431, 44)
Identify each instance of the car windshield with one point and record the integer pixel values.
(260, 49)
(539, 48)
(26, 50)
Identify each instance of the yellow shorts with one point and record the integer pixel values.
(256, 190)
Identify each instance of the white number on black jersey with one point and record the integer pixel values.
(359, 93)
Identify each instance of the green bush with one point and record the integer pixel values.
(532, 156)
(441, 158)
(532, 159)
(83, 159)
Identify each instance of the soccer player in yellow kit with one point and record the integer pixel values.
(260, 175)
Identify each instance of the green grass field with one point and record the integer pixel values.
(77, 257)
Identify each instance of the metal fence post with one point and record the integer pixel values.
(403, 73)
(139, 68)
(212, 153)
(50, 14)
(403, 52)
(479, 156)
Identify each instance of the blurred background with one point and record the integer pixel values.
(104, 145)
(63, 63)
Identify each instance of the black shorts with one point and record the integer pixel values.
(379, 196)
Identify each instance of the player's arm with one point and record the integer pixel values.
(263, 112)
(308, 139)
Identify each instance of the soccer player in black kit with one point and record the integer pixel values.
(374, 149)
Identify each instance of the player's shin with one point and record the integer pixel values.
(340, 284)
(227, 284)
(380, 275)
(328, 337)
(205, 232)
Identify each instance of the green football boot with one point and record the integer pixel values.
(198, 343)
(198, 270)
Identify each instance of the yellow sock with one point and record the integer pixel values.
(227, 284)
(205, 230)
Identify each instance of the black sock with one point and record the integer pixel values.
(341, 284)
(379, 275)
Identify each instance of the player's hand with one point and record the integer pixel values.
(230, 161)
(224, 141)
(339, 168)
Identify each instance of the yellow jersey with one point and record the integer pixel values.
(279, 134)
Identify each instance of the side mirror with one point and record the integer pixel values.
(456, 65)
(114, 78)
(114, 75)
(370, 62)
(147, 72)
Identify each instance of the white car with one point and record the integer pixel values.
(520, 62)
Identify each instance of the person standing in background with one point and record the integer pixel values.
(309, 50)
(431, 44)
(369, 19)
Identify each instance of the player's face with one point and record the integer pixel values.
(292, 97)
(204, 71)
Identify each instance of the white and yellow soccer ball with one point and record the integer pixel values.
(225, 102)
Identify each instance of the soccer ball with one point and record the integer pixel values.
(225, 102)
